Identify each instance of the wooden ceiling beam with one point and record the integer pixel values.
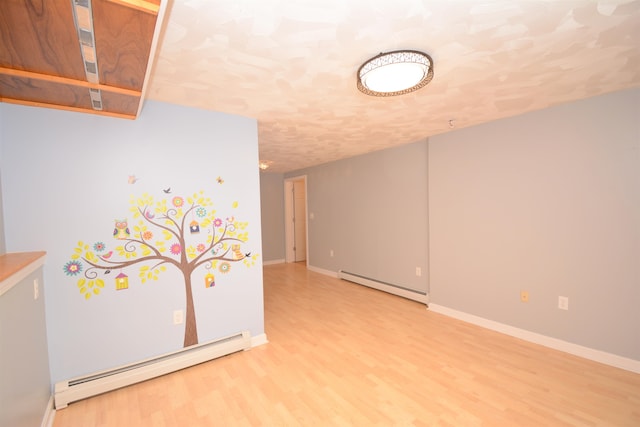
(67, 108)
(141, 5)
(67, 81)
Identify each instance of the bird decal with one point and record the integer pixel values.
(122, 230)
(167, 190)
(107, 255)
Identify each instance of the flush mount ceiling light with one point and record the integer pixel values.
(395, 73)
(264, 164)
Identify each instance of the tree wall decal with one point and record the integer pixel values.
(185, 234)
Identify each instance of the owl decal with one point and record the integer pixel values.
(122, 229)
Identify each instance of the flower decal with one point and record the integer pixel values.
(217, 222)
(72, 268)
(147, 235)
(224, 267)
(178, 201)
(99, 246)
(176, 249)
(201, 212)
(200, 247)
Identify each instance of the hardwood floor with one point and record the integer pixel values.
(341, 354)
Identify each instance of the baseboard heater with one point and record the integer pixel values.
(384, 286)
(80, 388)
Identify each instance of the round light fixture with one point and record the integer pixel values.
(264, 164)
(395, 73)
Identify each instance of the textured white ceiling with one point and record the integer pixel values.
(292, 65)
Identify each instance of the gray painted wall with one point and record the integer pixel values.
(272, 209)
(547, 202)
(3, 248)
(371, 211)
(24, 363)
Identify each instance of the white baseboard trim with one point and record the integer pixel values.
(557, 344)
(49, 414)
(273, 261)
(259, 340)
(323, 271)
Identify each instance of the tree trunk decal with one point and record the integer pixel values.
(190, 327)
(185, 234)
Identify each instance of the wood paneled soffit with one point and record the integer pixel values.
(41, 60)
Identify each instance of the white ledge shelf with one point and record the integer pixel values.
(16, 266)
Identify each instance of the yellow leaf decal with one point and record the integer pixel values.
(81, 282)
(87, 295)
(75, 256)
(96, 291)
(235, 204)
(100, 283)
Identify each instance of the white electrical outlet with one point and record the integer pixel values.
(178, 317)
(418, 271)
(563, 303)
(36, 289)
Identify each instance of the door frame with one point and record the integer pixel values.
(289, 239)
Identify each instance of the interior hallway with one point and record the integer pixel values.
(341, 354)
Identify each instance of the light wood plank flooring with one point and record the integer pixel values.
(340, 354)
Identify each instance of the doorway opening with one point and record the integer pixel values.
(295, 213)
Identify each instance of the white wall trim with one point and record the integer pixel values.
(323, 271)
(557, 344)
(16, 277)
(273, 261)
(49, 414)
(259, 340)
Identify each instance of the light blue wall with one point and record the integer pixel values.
(66, 179)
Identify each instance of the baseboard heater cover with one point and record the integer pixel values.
(411, 294)
(79, 388)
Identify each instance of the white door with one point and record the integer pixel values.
(295, 211)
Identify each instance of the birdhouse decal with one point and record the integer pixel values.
(209, 280)
(122, 282)
(194, 227)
